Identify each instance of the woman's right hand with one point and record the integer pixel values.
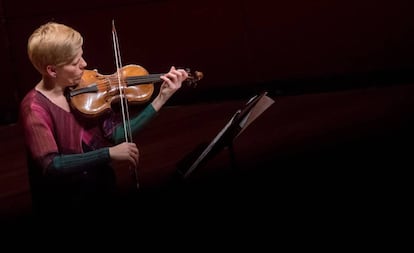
(126, 151)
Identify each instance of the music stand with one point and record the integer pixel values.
(224, 139)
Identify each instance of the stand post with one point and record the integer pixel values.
(232, 155)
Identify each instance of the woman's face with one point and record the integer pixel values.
(71, 74)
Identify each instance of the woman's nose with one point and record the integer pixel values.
(83, 63)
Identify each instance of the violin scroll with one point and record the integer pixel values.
(193, 79)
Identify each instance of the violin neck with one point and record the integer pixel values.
(151, 78)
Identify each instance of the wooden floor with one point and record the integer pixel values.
(303, 146)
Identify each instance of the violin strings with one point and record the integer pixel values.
(140, 79)
(104, 84)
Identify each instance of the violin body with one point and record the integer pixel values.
(96, 93)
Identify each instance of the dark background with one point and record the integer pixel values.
(284, 46)
(339, 71)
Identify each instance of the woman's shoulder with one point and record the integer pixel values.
(33, 99)
(29, 98)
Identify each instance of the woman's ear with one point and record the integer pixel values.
(51, 70)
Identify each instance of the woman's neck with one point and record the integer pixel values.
(50, 87)
(54, 93)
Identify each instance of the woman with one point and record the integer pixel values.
(70, 157)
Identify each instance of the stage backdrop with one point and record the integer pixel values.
(240, 45)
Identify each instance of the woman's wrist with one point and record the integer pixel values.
(158, 102)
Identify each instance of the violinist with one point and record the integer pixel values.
(69, 158)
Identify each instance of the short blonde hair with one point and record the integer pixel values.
(53, 44)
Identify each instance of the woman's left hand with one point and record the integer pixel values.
(172, 82)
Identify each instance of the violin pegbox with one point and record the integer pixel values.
(193, 78)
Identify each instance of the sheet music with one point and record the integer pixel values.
(255, 112)
(253, 109)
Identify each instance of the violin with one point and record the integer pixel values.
(96, 93)
(130, 84)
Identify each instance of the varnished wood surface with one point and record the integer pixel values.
(335, 140)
